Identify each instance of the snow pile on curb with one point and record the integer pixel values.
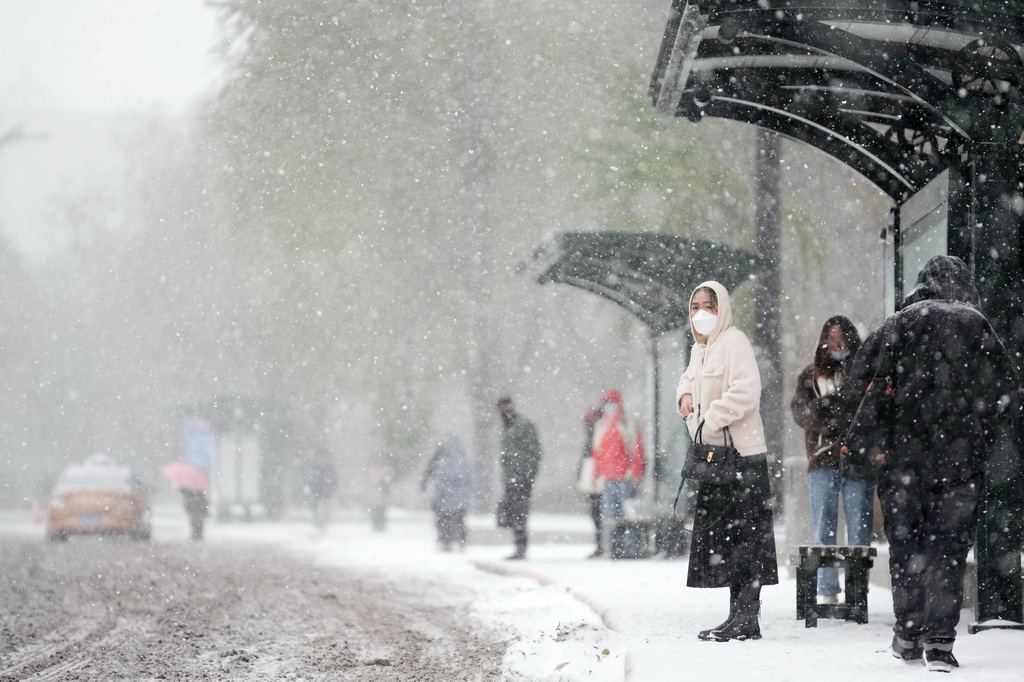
(575, 646)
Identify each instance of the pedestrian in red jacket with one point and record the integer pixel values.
(618, 452)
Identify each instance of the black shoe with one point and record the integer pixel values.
(938, 655)
(517, 556)
(907, 650)
(598, 553)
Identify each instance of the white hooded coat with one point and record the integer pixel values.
(725, 383)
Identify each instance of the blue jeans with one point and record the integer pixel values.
(615, 493)
(859, 507)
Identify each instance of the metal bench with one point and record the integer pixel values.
(854, 560)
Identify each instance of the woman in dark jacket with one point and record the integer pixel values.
(825, 418)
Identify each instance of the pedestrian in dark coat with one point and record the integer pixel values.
(520, 459)
(451, 477)
(952, 382)
(733, 541)
(819, 408)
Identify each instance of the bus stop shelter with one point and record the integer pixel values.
(649, 274)
(924, 100)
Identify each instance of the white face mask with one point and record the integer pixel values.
(704, 322)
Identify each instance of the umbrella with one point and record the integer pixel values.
(185, 476)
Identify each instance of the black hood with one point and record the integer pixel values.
(944, 278)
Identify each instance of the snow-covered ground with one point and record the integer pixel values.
(578, 619)
(569, 618)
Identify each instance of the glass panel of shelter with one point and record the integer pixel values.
(920, 230)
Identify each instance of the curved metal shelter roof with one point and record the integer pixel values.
(893, 89)
(649, 274)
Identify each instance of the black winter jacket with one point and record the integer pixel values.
(953, 378)
(825, 420)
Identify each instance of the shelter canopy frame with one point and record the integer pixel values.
(915, 96)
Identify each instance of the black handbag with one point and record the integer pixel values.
(715, 464)
(869, 439)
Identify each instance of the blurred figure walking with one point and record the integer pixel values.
(450, 477)
(323, 482)
(197, 508)
(520, 459)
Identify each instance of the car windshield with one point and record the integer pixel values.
(95, 478)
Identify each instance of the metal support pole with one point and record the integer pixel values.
(987, 204)
(656, 413)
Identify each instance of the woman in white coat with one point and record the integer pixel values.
(733, 541)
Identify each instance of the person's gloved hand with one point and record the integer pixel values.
(823, 408)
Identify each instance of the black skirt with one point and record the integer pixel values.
(733, 540)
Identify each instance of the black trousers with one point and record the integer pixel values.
(930, 523)
(597, 514)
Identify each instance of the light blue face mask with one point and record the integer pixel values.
(840, 355)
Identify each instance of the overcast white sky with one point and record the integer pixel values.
(100, 55)
(75, 72)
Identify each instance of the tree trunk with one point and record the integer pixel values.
(471, 125)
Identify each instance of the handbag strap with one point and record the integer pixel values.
(675, 502)
(682, 481)
(698, 437)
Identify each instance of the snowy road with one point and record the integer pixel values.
(119, 610)
(281, 601)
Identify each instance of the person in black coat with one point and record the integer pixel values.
(519, 459)
(953, 380)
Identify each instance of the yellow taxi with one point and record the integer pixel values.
(98, 496)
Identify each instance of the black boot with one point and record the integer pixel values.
(744, 624)
(709, 635)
